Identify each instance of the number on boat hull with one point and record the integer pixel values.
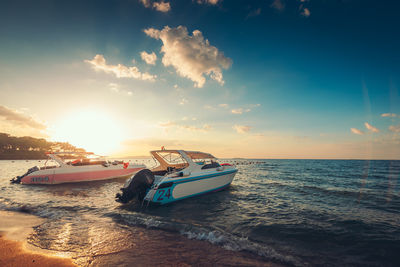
(164, 194)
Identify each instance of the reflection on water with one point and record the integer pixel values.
(293, 212)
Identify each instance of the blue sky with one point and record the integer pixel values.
(291, 78)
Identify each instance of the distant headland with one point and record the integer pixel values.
(14, 148)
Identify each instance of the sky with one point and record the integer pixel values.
(307, 79)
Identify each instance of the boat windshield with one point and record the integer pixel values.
(195, 155)
(168, 162)
(172, 157)
(206, 160)
(201, 158)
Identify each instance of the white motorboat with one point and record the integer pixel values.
(178, 175)
(85, 167)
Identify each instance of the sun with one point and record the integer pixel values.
(93, 130)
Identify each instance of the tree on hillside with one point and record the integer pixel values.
(27, 145)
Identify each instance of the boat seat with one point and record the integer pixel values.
(211, 165)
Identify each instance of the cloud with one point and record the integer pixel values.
(240, 110)
(120, 71)
(146, 3)
(210, 2)
(395, 128)
(192, 56)
(356, 131)
(149, 58)
(159, 6)
(162, 6)
(371, 128)
(278, 5)
(20, 119)
(393, 115)
(170, 124)
(241, 129)
(237, 111)
(223, 105)
(243, 110)
(153, 33)
(305, 12)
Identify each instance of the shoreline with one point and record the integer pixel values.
(15, 227)
(147, 247)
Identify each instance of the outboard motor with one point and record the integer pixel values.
(136, 186)
(17, 180)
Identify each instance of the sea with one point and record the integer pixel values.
(275, 213)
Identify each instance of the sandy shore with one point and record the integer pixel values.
(126, 247)
(13, 254)
(14, 250)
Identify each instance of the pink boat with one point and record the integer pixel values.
(84, 168)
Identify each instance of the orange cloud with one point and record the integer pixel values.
(371, 128)
(306, 12)
(241, 129)
(20, 119)
(149, 58)
(120, 71)
(162, 6)
(192, 56)
(210, 2)
(389, 115)
(356, 131)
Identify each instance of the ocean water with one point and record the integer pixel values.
(279, 212)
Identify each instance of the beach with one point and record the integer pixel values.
(150, 248)
(14, 250)
(13, 254)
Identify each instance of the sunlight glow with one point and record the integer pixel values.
(92, 130)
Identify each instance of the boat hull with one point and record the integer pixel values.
(79, 174)
(190, 187)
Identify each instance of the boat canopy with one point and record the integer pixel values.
(199, 155)
(178, 156)
(179, 159)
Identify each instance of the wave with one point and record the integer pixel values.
(214, 236)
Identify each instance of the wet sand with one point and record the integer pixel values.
(111, 245)
(14, 250)
(150, 247)
(12, 254)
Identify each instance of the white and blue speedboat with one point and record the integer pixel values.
(178, 175)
